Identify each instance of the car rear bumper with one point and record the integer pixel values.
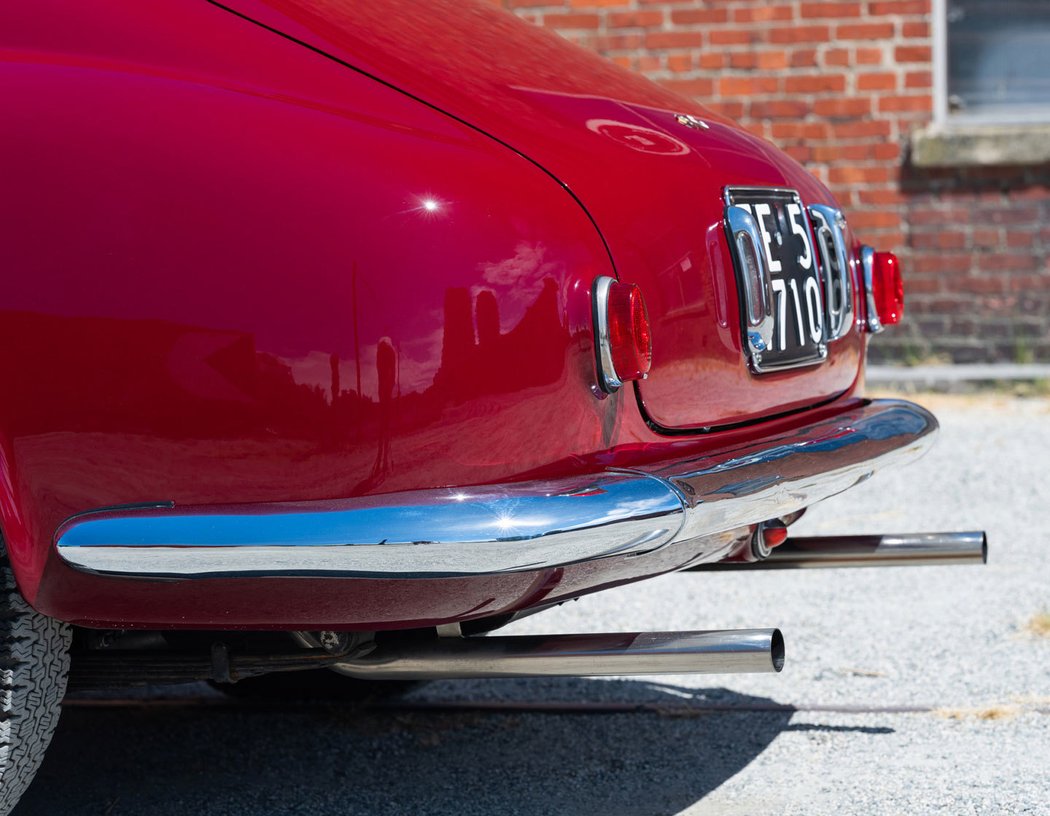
(504, 529)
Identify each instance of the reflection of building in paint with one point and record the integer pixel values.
(477, 359)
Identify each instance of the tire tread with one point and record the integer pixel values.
(34, 666)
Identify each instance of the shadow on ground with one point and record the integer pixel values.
(336, 758)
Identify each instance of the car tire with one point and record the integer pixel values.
(34, 665)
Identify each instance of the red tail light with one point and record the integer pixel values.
(889, 288)
(623, 333)
(884, 288)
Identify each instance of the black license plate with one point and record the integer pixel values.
(791, 329)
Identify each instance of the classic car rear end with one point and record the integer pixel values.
(382, 324)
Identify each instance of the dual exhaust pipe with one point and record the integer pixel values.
(899, 550)
(704, 652)
(725, 652)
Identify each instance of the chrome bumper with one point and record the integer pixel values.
(504, 528)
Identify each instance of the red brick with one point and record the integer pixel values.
(913, 53)
(635, 19)
(837, 56)
(916, 29)
(699, 86)
(801, 34)
(803, 57)
(1027, 282)
(800, 153)
(699, 16)
(921, 216)
(977, 286)
(886, 151)
(679, 62)
(572, 20)
(616, 42)
(771, 60)
(731, 110)
(831, 10)
(734, 37)
(939, 239)
(743, 60)
(748, 85)
(940, 262)
(876, 82)
(712, 60)
(674, 39)
(899, 7)
(921, 103)
(869, 56)
(779, 109)
(859, 174)
(846, 106)
(763, 14)
(920, 285)
(821, 83)
(918, 79)
(864, 219)
(809, 131)
(986, 238)
(838, 153)
(1016, 240)
(861, 130)
(1010, 262)
(864, 31)
(880, 197)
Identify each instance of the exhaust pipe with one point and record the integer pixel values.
(718, 652)
(904, 550)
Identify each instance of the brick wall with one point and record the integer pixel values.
(841, 86)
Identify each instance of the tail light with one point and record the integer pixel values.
(889, 288)
(622, 333)
(884, 287)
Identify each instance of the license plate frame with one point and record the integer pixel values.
(778, 278)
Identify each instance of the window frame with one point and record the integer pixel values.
(943, 118)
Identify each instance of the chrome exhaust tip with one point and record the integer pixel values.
(899, 550)
(584, 655)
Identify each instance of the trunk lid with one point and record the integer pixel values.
(653, 187)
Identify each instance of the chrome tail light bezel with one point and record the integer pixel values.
(829, 233)
(867, 265)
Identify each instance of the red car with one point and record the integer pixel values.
(335, 334)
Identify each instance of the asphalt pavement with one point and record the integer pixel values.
(906, 690)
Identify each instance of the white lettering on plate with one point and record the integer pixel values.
(780, 296)
(761, 211)
(805, 260)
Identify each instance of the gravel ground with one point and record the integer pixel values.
(820, 738)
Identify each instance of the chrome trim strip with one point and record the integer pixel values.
(741, 224)
(606, 370)
(867, 265)
(833, 223)
(505, 528)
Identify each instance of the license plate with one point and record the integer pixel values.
(782, 302)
